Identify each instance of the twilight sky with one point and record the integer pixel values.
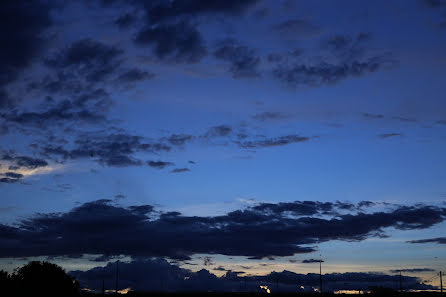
(239, 137)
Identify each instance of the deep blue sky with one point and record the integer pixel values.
(265, 132)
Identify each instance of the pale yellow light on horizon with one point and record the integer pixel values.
(29, 172)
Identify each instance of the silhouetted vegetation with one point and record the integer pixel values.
(38, 278)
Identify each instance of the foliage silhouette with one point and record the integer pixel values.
(43, 278)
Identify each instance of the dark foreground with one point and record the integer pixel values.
(256, 294)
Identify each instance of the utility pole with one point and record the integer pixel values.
(103, 288)
(320, 274)
(441, 282)
(401, 283)
(117, 274)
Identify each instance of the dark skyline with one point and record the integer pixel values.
(220, 139)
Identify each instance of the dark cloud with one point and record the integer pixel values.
(325, 73)
(440, 240)
(366, 204)
(435, 3)
(372, 115)
(220, 268)
(142, 275)
(170, 27)
(107, 149)
(8, 180)
(125, 20)
(90, 58)
(22, 25)
(348, 48)
(134, 75)
(389, 135)
(180, 170)
(297, 208)
(163, 11)
(297, 28)
(180, 42)
(412, 270)
(344, 57)
(269, 142)
(179, 139)
(157, 275)
(438, 5)
(159, 164)
(13, 175)
(218, 131)
(89, 107)
(307, 261)
(261, 231)
(269, 115)
(404, 119)
(23, 162)
(76, 89)
(243, 61)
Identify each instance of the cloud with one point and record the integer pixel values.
(170, 28)
(134, 75)
(270, 142)
(435, 3)
(125, 20)
(243, 61)
(389, 135)
(8, 180)
(180, 170)
(218, 131)
(297, 28)
(372, 115)
(142, 275)
(22, 26)
(325, 73)
(24, 162)
(14, 168)
(159, 164)
(163, 11)
(342, 57)
(180, 42)
(412, 270)
(366, 203)
(439, 240)
(157, 275)
(108, 149)
(348, 48)
(90, 58)
(179, 139)
(404, 119)
(89, 107)
(269, 115)
(100, 227)
(13, 175)
(307, 261)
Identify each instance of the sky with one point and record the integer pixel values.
(225, 139)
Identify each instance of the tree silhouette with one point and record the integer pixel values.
(6, 283)
(44, 278)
